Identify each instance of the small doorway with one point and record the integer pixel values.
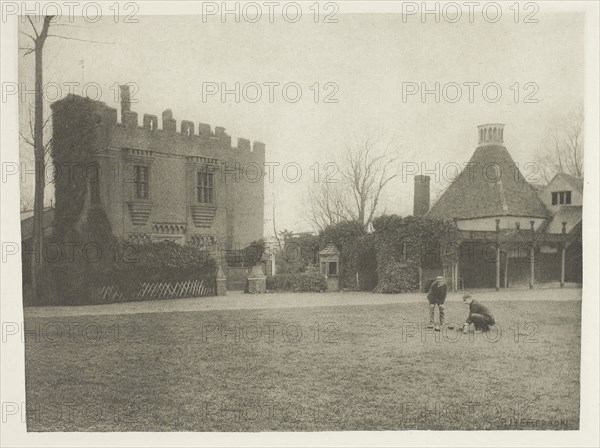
(329, 259)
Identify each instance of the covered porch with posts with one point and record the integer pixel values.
(507, 257)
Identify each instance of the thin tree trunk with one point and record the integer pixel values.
(40, 166)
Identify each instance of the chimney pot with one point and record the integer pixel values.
(491, 134)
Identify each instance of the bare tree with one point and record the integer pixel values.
(26, 202)
(276, 234)
(328, 203)
(38, 39)
(47, 138)
(365, 170)
(40, 149)
(563, 148)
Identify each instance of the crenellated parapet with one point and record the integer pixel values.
(186, 141)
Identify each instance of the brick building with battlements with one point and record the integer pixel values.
(187, 185)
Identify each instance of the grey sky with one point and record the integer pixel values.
(367, 56)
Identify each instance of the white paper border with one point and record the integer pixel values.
(13, 432)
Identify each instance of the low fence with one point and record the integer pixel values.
(158, 290)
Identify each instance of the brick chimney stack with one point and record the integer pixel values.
(421, 199)
(125, 101)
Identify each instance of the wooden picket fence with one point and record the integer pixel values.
(158, 290)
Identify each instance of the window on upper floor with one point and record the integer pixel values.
(141, 183)
(561, 198)
(205, 188)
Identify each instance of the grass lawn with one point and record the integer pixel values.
(351, 368)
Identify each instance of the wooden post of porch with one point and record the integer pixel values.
(563, 254)
(456, 255)
(532, 256)
(497, 269)
(497, 254)
(455, 276)
(457, 271)
(506, 269)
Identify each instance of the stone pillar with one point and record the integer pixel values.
(221, 283)
(257, 281)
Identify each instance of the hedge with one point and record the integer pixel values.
(310, 280)
(71, 278)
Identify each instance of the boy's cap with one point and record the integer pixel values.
(467, 296)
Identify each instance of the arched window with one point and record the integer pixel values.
(495, 133)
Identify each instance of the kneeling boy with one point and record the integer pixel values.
(479, 315)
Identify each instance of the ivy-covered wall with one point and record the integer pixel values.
(403, 245)
(75, 124)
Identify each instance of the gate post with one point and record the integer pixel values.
(221, 283)
(257, 281)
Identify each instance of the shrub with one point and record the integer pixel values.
(299, 251)
(165, 262)
(310, 280)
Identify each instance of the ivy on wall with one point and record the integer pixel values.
(298, 253)
(403, 245)
(73, 144)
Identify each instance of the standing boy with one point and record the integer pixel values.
(437, 296)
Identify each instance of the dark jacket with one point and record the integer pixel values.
(477, 308)
(437, 293)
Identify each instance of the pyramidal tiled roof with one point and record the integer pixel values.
(490, 185)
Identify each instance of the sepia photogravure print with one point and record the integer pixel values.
(300, 223)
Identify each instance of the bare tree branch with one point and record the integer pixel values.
(28, 35)
(28, 50)
(81, 40)
(33, 27)
(29, 142)
(365, 172)
(563, 148)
